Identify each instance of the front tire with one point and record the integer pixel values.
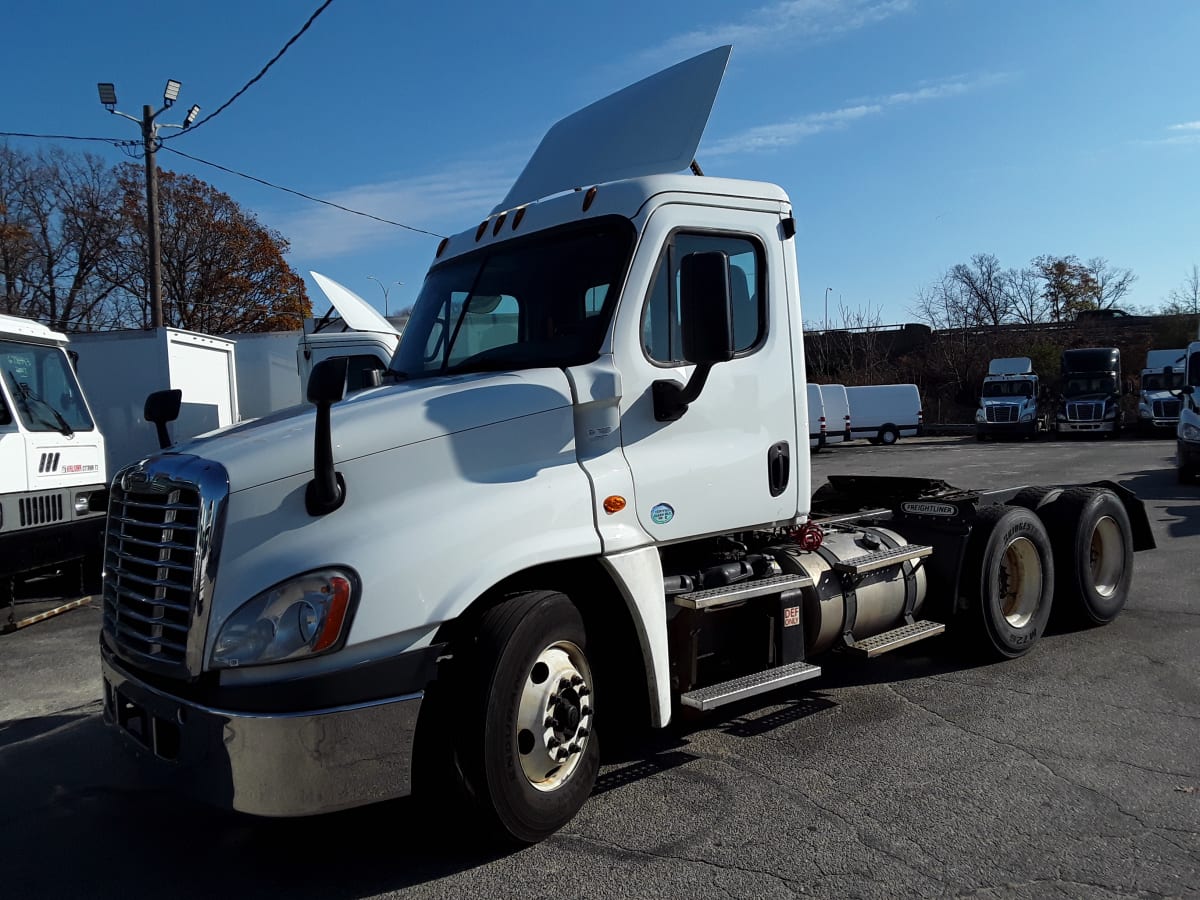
(528, 752)
(1008, 579)
(1093, 554)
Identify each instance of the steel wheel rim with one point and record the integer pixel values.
(1020, 582)
(1106, 553)
(554, 718)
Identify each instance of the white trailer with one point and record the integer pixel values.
(593, 517)
(837, 413)
(884, 413)
(119, 369)
(1009, 403)
(816, 417)
(1159, 400)
(52, 471)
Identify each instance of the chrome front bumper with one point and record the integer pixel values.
(269, 764)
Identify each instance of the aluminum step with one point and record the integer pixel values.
(897, 637)
(743, 590)
(881, 559)
(749, 686)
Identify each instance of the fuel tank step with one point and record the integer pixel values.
(880, 559)
(743, 590)
(897, 637)
(749, 685)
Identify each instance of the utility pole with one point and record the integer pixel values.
(150, 141)
(827, 290)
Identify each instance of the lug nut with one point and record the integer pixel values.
(550, 723)
(552, 743)
(564, 684)
(585, 711)
(574, 748)
(584, 691)
(562, 754)
(576, 680)
(582, 732)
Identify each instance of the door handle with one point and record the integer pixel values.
(779, 467)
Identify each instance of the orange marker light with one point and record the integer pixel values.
(614, 504)
(589, 198)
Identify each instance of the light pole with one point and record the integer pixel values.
(827, 290)
(385, 288)
(108, 98)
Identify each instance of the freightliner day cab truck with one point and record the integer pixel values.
(1187, 433)
(1091, 392)
(52, 475)
(580, 499)
(1008, 403)
(1158, 390)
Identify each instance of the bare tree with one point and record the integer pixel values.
(1186, 297)
(1027, 302)
(1109, 283)
(16, 231)
(982, 288)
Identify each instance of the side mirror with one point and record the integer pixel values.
(326, 386)
(163, 407)
(1188, 389)
(706, 327)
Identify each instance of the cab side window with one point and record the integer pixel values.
(660, 319)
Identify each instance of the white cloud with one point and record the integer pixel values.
(437, 202)
(782, 23)
(792, 131)
(1186, 126)
(1189, 135)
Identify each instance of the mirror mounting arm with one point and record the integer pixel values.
(326, 386)
(671, 399)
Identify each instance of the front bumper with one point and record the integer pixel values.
(1069, 427)
(1188, 454)
(267, 763)
(1018, 429)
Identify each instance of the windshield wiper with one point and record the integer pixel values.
(25, 392)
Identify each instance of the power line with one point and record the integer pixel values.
(288, 190)
(263, 71)
(116, 142)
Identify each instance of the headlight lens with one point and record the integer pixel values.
(1027, 417)
(303, 616)
(1110, 413)
(1189, 432)
(1062, 417)
(979, 416)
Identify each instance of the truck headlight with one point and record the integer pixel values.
(1189, 432)
(303, 616)
(1027, 417)
(979, 416)
(1145, 413)
(1110, 413)
(1062, 417)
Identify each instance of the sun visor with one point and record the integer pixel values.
(652, 127)
(356, 312)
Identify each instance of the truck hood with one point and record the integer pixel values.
(1088, 398)
(379, 419)
(1152, 396)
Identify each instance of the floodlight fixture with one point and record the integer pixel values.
(108, 94)
(191, 115)
(171, 91)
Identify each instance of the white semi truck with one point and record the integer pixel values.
(52, 474)
(1009, 400)
(1187, 433)
(1158, 390)
(598, 514)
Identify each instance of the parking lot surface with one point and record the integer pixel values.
(1071, 772)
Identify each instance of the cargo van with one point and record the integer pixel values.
(884, 413)
(816, 417)
(837, 413)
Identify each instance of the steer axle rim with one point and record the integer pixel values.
(554, 718)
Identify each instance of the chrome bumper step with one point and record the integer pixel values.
(749, 686)
(742, 590)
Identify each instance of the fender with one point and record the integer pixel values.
(638, 574)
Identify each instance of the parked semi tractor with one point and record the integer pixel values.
(1158, 390)
(1091, 392)
(52, 474)
(1187, 433)
(1008, 402)
(529, 538)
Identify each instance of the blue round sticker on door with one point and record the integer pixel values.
(662, 514)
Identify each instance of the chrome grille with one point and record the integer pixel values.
(1166, 409)
(163, 520)
(1001, 412)
(1087, 411)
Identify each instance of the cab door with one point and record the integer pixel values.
(730, 460)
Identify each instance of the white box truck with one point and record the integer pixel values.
(1009, 402)
(1187, 433)
(52, 471)
(884, 413)
(1159, 399)
(118, 369)
(594, 517)
(837, 413)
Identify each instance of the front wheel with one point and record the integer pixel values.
(1008, 580)
(528, 750)
(888, 435)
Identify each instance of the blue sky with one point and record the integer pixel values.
(910, 134)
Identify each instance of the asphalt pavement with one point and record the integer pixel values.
(1073, 771)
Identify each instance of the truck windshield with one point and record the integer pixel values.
(1079, 385)
(1008, 389)
(536, 302)
(43, 388)
(1157, 381)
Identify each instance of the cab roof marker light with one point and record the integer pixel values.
(480, 230)
(441, 247)
(589, 198)
(520, 214)
(499, 223)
